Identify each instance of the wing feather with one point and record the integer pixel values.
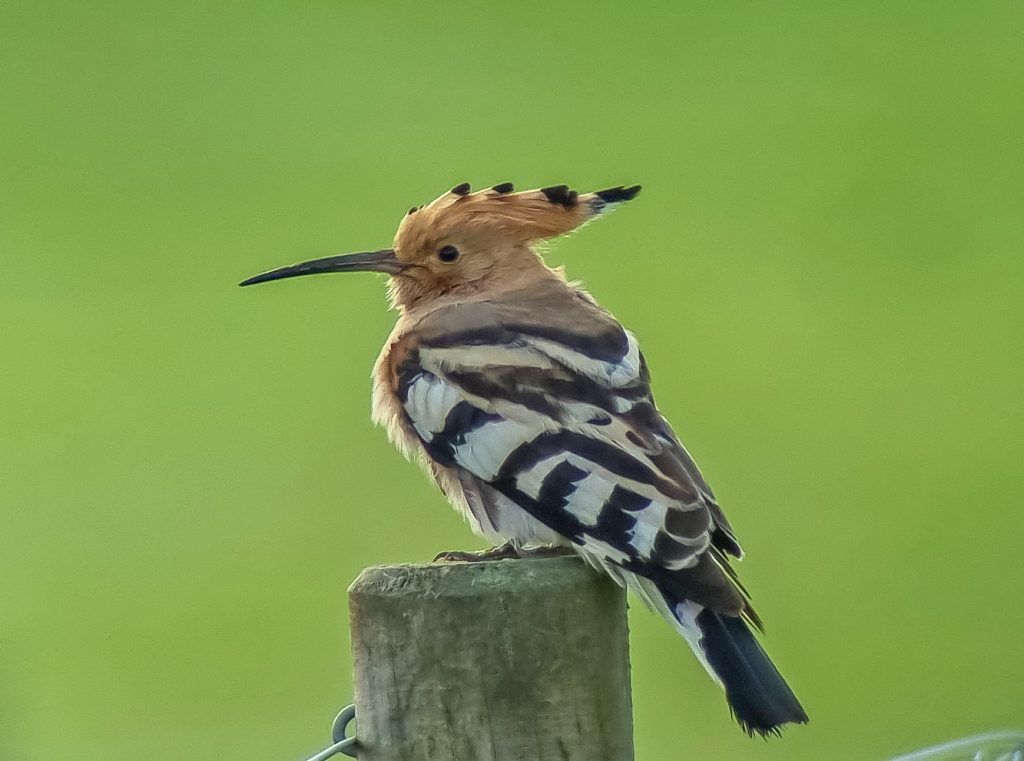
(563, 425)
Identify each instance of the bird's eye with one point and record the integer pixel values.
(448, 253)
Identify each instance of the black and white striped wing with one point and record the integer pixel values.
(564, 427)
(557, 426)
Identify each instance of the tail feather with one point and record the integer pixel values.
(759, 697)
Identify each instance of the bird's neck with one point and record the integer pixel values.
(414, 303)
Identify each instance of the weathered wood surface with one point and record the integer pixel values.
(495, 661)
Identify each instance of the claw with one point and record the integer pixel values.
(507, 551)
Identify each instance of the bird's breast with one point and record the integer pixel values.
(386, 406)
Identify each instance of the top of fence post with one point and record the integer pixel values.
(501, 660)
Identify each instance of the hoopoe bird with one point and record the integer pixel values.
(531, 408)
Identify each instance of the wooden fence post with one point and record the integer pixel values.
(495, 661)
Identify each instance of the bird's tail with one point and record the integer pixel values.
(759, 697)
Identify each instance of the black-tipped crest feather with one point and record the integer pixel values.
(618, 194)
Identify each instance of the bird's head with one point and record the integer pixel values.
(465, 243)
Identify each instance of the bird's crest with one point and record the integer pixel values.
(501, 213)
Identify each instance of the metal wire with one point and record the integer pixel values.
(339, 734)
(994, 746)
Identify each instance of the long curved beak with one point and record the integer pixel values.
(367, 261)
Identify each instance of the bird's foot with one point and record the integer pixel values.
(507, 551)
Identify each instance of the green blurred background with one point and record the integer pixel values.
(824, 269)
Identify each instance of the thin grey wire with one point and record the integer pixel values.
(339, 733)
(994, 746)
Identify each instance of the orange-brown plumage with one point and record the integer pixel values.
(493, 230)
(494, 217)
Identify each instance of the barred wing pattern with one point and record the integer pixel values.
(552, 433)
(562, 424)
